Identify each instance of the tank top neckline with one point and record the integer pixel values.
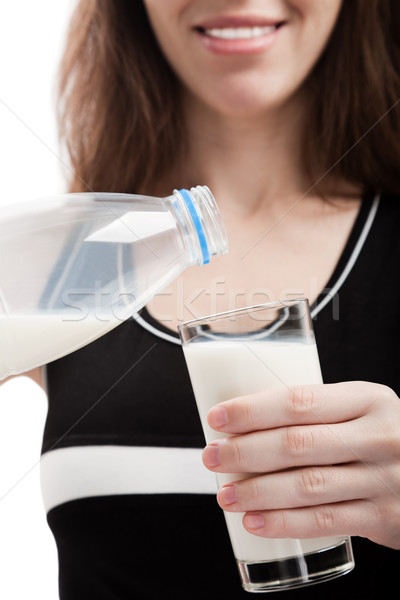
(344, 265)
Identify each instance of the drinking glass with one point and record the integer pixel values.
(243, 352)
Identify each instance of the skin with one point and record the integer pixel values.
(247, 148)
(341, 444)
(243, 86)
(329, 455)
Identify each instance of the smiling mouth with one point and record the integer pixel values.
(239, 32)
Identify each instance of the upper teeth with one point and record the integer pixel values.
(239, 33)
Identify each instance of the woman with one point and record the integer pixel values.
(288, 110)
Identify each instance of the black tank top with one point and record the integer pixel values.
(131, 388)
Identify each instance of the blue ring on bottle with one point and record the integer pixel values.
(197, 223)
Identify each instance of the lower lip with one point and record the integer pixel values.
(252, 45)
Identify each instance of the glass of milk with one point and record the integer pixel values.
(242, 352)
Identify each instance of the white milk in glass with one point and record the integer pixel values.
(225, 369)
(27, 341)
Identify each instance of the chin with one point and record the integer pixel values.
(247, 95)
(246, 105)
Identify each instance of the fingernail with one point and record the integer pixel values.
(218, 416)
(255, 521)
(228, 494)
(211, 456)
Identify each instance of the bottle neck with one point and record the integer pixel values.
(203, 229)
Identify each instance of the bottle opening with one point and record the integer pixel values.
(207, 221)
(194, 215)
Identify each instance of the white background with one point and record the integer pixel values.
(32, 35)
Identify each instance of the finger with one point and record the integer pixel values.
(278, 407)
(358, 517)
(300, 488)
(288, 447)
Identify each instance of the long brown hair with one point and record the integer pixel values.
(119, 101)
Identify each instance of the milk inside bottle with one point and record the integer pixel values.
(75, 266)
